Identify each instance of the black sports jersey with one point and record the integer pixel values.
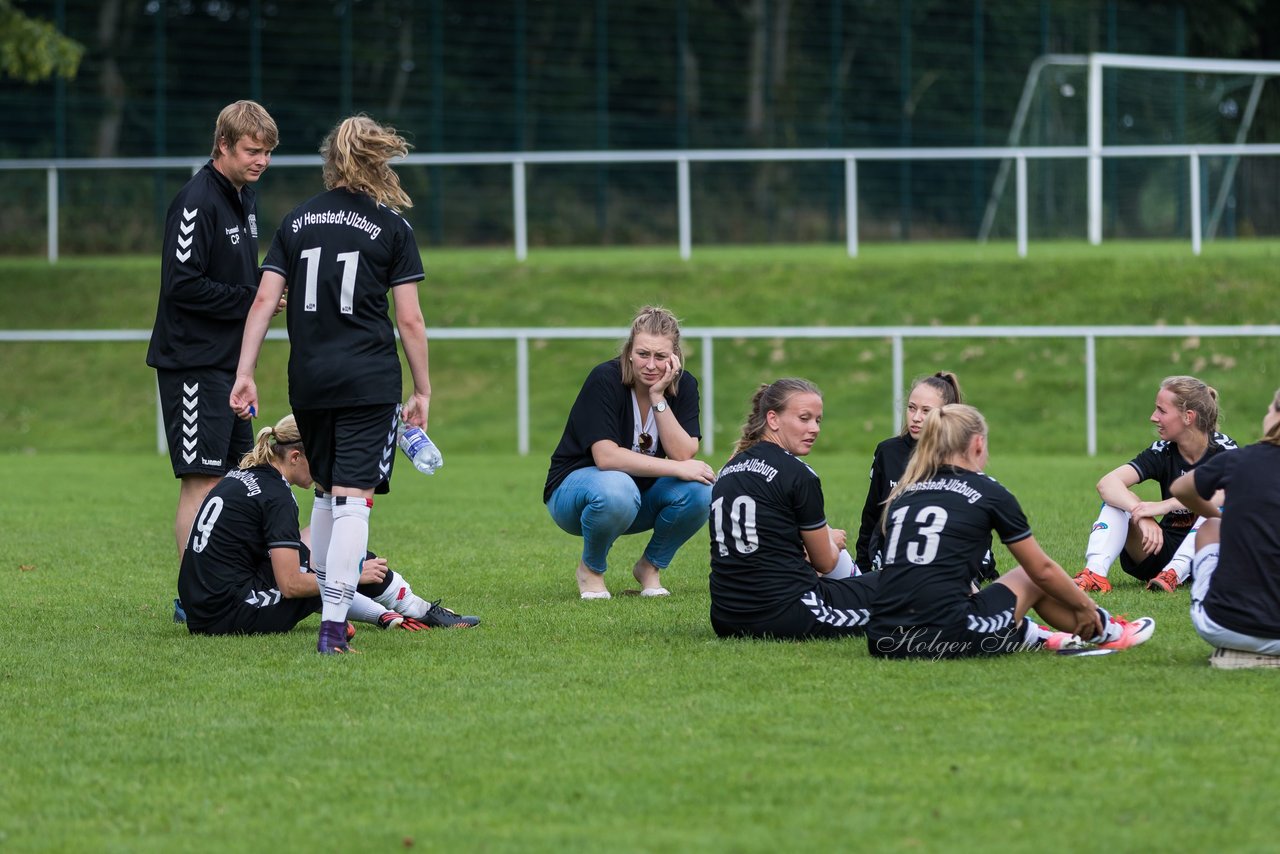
(604, 410)
(246, 513)
(937, 534)
(1244, 593)
(761, 501)
(887, 465)
(1164, 464)
(208, 275)
(340, 253)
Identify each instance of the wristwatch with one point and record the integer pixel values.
(660, 407)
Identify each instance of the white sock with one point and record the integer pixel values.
(844, 566)
(1181, 560)
(1033, 634)
(1106, 541)
(1111, 630)
(399, 597)
(365, 610)
(321, 530)
(346, 552)
(387, 598)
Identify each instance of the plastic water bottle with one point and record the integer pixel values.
(419, 448)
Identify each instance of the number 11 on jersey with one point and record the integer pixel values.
(350, 262)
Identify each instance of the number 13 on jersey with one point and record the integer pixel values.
(931, 520)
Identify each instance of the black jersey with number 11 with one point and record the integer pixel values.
(340, 254)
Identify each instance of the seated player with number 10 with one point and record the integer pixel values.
(775, 564)
(937, 527)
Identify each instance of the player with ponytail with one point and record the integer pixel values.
(890, 460)
(937, 526)
(245, 568)
(1159, 553)
(777, 569)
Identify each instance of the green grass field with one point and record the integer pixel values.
(620, 725)
(560, 724)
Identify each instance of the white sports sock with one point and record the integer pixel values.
(398, 589)
(365, 610)
(399, 597)
(844, 566)
(1111, 630)
(1181, 560)
(1033, 634)
(347, 548)
(1107, 539)
(321, 530)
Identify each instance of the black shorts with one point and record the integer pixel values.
(833, 609)
(258, 612)
(1147, 568)
(205, 436)
(352, 446)
(986, 627)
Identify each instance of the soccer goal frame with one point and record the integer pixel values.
(1097, 64)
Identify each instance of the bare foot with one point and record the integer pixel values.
(647, 574)
(591, 584)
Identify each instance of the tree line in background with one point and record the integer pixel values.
(145, 77)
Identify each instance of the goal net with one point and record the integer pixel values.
(1144, 103)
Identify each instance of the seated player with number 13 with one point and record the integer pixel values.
(937, 526)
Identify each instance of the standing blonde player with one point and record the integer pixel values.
(343, 252)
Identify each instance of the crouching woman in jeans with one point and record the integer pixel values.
(625, 462)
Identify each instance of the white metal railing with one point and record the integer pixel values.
(707, 336)
(851, 157)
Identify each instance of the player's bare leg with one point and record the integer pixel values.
(194, 488)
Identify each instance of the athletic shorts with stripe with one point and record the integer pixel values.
(205, 436)
(258, 610)
(352, 446)
(1147, 568)
(834, 608)
(986, 626)
(1205, 565)
(262, 610)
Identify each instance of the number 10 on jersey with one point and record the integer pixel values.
(741, 528)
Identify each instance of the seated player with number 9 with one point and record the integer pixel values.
(937, 527)
(242, 571)
(774, 560)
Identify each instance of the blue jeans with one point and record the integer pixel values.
(601, 506)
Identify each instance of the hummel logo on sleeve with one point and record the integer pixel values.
(185, 228)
